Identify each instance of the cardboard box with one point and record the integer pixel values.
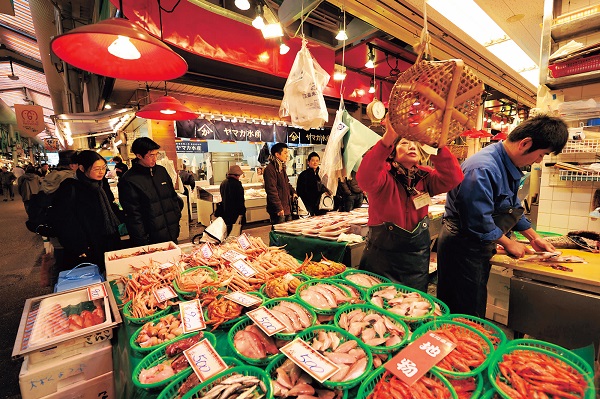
(50, 377)
(102, 387)
(118, 263)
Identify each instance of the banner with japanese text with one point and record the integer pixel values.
(187, 146)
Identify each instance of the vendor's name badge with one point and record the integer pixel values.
(164, 293)
(422, 200)
(243, 268)
(96, 292)
(244, 241)
(243, 299)
(232, 255)
(412, 362)
(206, 251)
(309, 360)
(266, 320)
(205, 360)
(191, 315)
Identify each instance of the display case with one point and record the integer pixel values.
(254, 195)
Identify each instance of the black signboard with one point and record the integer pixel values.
(188, 146)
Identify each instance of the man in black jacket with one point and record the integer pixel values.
(146, 193)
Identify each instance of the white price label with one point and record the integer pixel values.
(309, 360)
(243, 299)
(232, 255)
(205, 360)
(166, 265)
(96, 292)
(243, 268)
(164, 294)
(206, 251)
(266, 320)
(191, 315)
(244, 241)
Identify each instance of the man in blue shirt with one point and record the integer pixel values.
(484, 208)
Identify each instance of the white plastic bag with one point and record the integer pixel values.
(332, 165)
(303, 97)
(216, 231)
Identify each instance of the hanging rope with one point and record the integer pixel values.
(424, 50)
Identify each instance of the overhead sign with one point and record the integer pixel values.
(187, 146)
(30, 119)
(51, 144)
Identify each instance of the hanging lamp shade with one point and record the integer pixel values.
(166, 108)
(119, 49)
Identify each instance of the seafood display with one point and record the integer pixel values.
(390, 386)
(372, 328)
(195, 279)
(489, 333)
(328, 226)
(155, 333)
(57, 321)
(362, 279)
(324, 296)
(282, 286)
(291, 381)
(530, 374)
(253, 343)
(142, 251)
(293, 315)
(464, 387)
(237, 386)
(323, 269)
(407, 304)
(220, 309)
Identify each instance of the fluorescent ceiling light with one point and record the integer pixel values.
(471, 19)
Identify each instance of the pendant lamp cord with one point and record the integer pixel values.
(424, 52)
(166, 93)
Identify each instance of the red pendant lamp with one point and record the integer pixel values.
(166, 108)
(119, 49)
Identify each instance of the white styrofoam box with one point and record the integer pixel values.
(169, 252)
(496, 314)
(45, 378)
(69, 347)
(101, 387)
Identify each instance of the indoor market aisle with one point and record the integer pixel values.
(20, 260)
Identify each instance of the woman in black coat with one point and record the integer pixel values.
(83, 216)
(309, 186)
(233, 204)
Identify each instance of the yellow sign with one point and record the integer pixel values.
(30, 119)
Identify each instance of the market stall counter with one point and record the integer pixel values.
(255, 200)
(556, 302)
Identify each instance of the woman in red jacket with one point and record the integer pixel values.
(399, 191)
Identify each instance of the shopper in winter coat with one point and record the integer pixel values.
(146, 193)
(309, 186)
(350, 194)
(277, 185)
(7, 178)
(483, 210)
(82, 214)
(29, 184)
(233, 204)
(120, 167)
(67, 165)
(398, 189)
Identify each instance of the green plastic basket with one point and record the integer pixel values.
(193, 294)
(359, 291)
(301, 277)
(230, 336)
(366, 388)
(229, 323)
(289, 336)
(372, 309)
(543, 348)
(158, 356)
(136, 347)
(201, 390)
(327, 311)
(490, 394)
(348, 272)
(405, 290)
(499, 337)
(143, 320)
(440, 323)
(310, 333)
(170, 391)
(479, 384)
(278, 361)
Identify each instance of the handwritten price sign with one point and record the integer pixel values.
(164, 294)
(206, 251)
(96, 292)
(267, 322)
(309, 360)
(205, 361)
(243, 268)
(191, 314)
(232, 255)
(243, 299)
(244, 241)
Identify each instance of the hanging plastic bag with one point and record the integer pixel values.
(303, 97)
(332, 165)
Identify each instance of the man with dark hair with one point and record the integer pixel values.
(120, 167)
(483, 210)
(146, 193)
(277, 185)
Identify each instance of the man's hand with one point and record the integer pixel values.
(541, 245)
(515, 249)
(280, 213)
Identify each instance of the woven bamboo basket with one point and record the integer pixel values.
(460, 151)
(433, 102)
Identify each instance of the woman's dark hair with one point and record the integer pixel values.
(311, 156)
(117, 159)
(142, 145)
(277, 148)
(30, 169)
(86, 158)
(546, 132)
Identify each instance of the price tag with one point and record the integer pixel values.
(243, 268)
(166, 265)
(309, 360)
(243, 299)
(412, 362)
(244, 241)
(205, 360)
(164, 293)
(96, 292)
(206, 251)
(267, 322)
(191, 315)
(232, 255)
